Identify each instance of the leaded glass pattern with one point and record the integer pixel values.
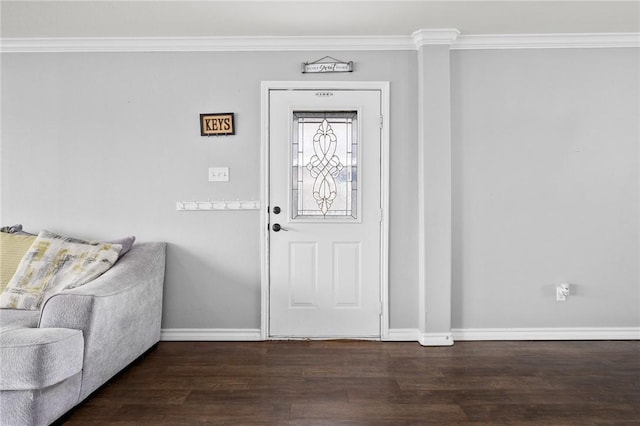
(324, 162)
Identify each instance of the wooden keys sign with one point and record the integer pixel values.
(217, 124)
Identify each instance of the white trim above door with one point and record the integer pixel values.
(266, 88)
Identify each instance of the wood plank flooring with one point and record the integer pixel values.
(373, 383)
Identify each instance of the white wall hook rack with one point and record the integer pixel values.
(217, 205)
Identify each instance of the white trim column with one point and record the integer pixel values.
(434, 171)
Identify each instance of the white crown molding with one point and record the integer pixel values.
(574, 333)
(435, 37)
(448, 37)
(210, 334)
(546, 41)
(203, 44)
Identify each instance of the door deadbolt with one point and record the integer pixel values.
(276, 210)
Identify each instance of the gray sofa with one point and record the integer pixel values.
(52, 359)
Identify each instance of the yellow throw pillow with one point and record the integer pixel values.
(54, 263)
(12, 248)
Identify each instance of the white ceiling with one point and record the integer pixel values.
(184, 18)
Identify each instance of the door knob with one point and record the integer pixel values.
(277, 228)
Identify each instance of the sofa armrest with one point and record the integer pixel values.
(34, 358)
(119, 313)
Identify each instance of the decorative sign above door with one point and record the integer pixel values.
(327, 64)
(217, 124)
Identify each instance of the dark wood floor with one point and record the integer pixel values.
(370, 383)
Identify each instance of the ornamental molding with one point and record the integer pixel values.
(446, 37)
(204, 44)
(547, 41)
(435, 37)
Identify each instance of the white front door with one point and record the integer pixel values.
(325, 213)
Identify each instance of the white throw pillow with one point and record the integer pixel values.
(54, 263)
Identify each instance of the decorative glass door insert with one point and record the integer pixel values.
(324, 159)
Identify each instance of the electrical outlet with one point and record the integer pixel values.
(218, 174)
(562, 292)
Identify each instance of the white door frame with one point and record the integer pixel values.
(266, 87)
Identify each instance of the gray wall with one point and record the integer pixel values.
(545, 187)
(102, 145)
(545, 174)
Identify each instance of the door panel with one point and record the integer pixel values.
(324, 242)
(303, 278)
(347, 270)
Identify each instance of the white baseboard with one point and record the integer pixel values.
(436, 339)
(426, 339)
(573, 333)
(210, 334)
(252, 335)
(414, 335)
(402, 335)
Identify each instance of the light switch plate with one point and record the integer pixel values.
(218, 174)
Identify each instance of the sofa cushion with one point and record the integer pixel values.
(13, 229)
(14, 318)
(34, 358)
(54, 263)
(125, 242)
(12, 248)
(39, 406)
